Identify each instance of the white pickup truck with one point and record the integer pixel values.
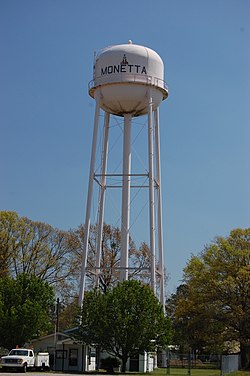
(25, 359)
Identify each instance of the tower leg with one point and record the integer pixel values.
(159, 207)
(102, 197)
(125, 197)
(151, 190)
(89, 200)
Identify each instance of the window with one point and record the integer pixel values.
(61, 354)
(19, 352)
(73, 355)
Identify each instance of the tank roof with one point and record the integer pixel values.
(124, 73)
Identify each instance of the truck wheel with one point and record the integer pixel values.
(25, 368)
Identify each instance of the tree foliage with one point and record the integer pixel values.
(212, 309)
(68, 314)
(26, 304)
(124, 321)
(55, 256)
(139, 258)
(34, 248)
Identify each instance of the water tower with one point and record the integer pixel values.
(128, 82)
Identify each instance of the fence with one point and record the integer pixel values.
(188, 362)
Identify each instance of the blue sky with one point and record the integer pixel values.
(46, 115)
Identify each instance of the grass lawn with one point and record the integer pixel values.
(240, 373)
(184, 372)
(194, 372)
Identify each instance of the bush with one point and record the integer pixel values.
(110, 363)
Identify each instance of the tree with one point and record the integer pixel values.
(180, 328)
(109, 257)
(68, 315)
(33, 248)
(215, 305)
(26, 306)
(193, 323)
(124, 321)
(38, 249)
(8, 240)
(139, 258)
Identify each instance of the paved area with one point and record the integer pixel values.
(30, 373)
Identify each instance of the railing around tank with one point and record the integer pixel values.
(128, 78)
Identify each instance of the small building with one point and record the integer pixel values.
(66, 354)
(142, 363)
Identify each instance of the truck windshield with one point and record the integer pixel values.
(19, 352)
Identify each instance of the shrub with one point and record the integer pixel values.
(110, 363)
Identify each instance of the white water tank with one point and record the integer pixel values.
(123, 75)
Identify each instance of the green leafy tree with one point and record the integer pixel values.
(179, 325)
(69, 313)
(26, 306)
(124, 321)
(193, 323)
(34, 248)
(214, 307)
